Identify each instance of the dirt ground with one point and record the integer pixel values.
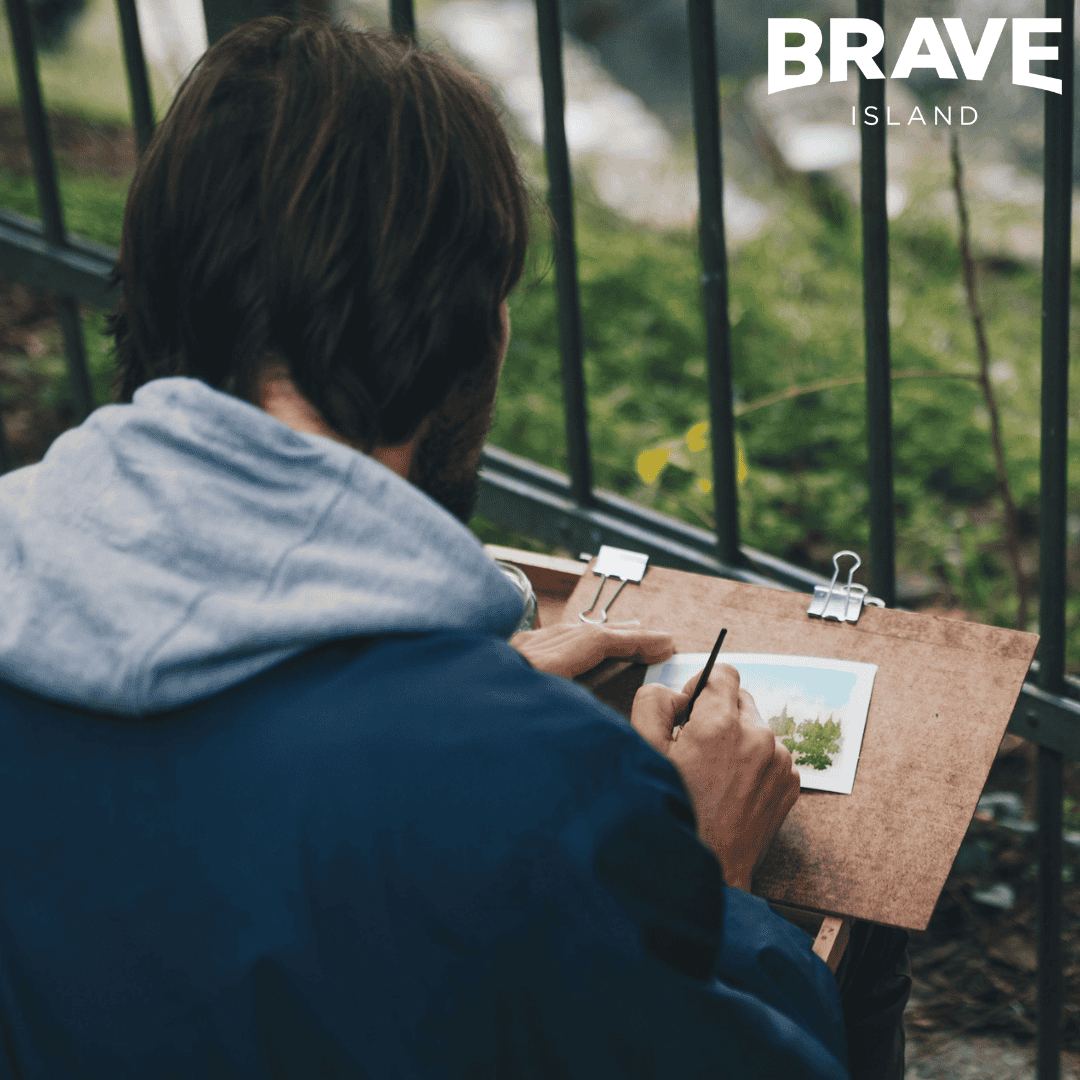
(974, 966)
(973, 1008)
(100, 149)
(31, 420)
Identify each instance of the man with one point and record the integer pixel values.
(279, 799)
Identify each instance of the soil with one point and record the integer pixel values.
(974, 966)
(78, 145)
(31, 418)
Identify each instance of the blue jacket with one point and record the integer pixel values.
(397, 851)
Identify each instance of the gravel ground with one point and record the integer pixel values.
(977, 1057)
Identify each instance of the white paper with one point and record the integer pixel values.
(824, 701)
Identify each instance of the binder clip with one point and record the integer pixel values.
(841, 602)
(613, 562)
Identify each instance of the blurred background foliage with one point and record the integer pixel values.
(796, 320)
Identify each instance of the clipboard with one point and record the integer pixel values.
(942, 698)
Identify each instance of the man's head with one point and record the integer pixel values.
(341, 205)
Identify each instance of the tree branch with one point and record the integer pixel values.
(844, 380)
(1012, 529)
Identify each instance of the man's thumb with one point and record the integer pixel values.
(653, 714)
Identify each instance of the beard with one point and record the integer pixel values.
(446, 461)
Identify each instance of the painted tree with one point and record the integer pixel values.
(817, 743)
(783, 724)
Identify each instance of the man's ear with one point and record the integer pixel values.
(399, 458)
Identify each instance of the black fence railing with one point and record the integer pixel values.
(567, 510)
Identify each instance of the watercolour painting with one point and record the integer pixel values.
(815, 706)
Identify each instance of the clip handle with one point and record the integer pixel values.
(581, 614)
(841, 602)
(619, 563)
(604, 610)
(854, 566)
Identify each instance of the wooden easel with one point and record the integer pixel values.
(942, 698)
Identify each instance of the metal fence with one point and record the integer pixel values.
(567, 510)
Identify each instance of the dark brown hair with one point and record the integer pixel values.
(341, 201)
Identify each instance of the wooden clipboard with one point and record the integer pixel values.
(942, 698)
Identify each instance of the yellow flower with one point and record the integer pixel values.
(695, 438)
(651, 462)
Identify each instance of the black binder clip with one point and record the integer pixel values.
(613, 562)
(841, 602)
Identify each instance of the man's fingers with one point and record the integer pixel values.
(591, 645)
(574, 649)
(748, 709)
(653, 646)
(723, 681)
(786, 763)
(653, 714)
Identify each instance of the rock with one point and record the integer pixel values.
(625, 148)
(1001, 896)
(1026, 827)
(628, 89)
(644, 43)
(809, 131)
(173, 34)
(1004, 804)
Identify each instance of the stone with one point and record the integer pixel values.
(1001, 895)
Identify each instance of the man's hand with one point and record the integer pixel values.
(740, 777)
(572, 650)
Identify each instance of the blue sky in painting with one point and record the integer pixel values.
(832, 688)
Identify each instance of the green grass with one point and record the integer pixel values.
(94, 208)
(93, 205)
(89, 78)
(796, 320)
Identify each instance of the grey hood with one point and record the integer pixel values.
(168, 549)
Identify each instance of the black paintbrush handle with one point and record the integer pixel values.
(704, 678)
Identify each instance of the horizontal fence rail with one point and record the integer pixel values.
(79, 268)
(567, 511)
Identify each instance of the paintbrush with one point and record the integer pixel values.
(704, 678)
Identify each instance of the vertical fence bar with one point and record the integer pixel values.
(138, 81)
(714, 284)
(6, 461)
(222, 15)
(1050, 978)
(561, 201)
(875, 238)
(37, 135)
(402, 19)
(1053, 493)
